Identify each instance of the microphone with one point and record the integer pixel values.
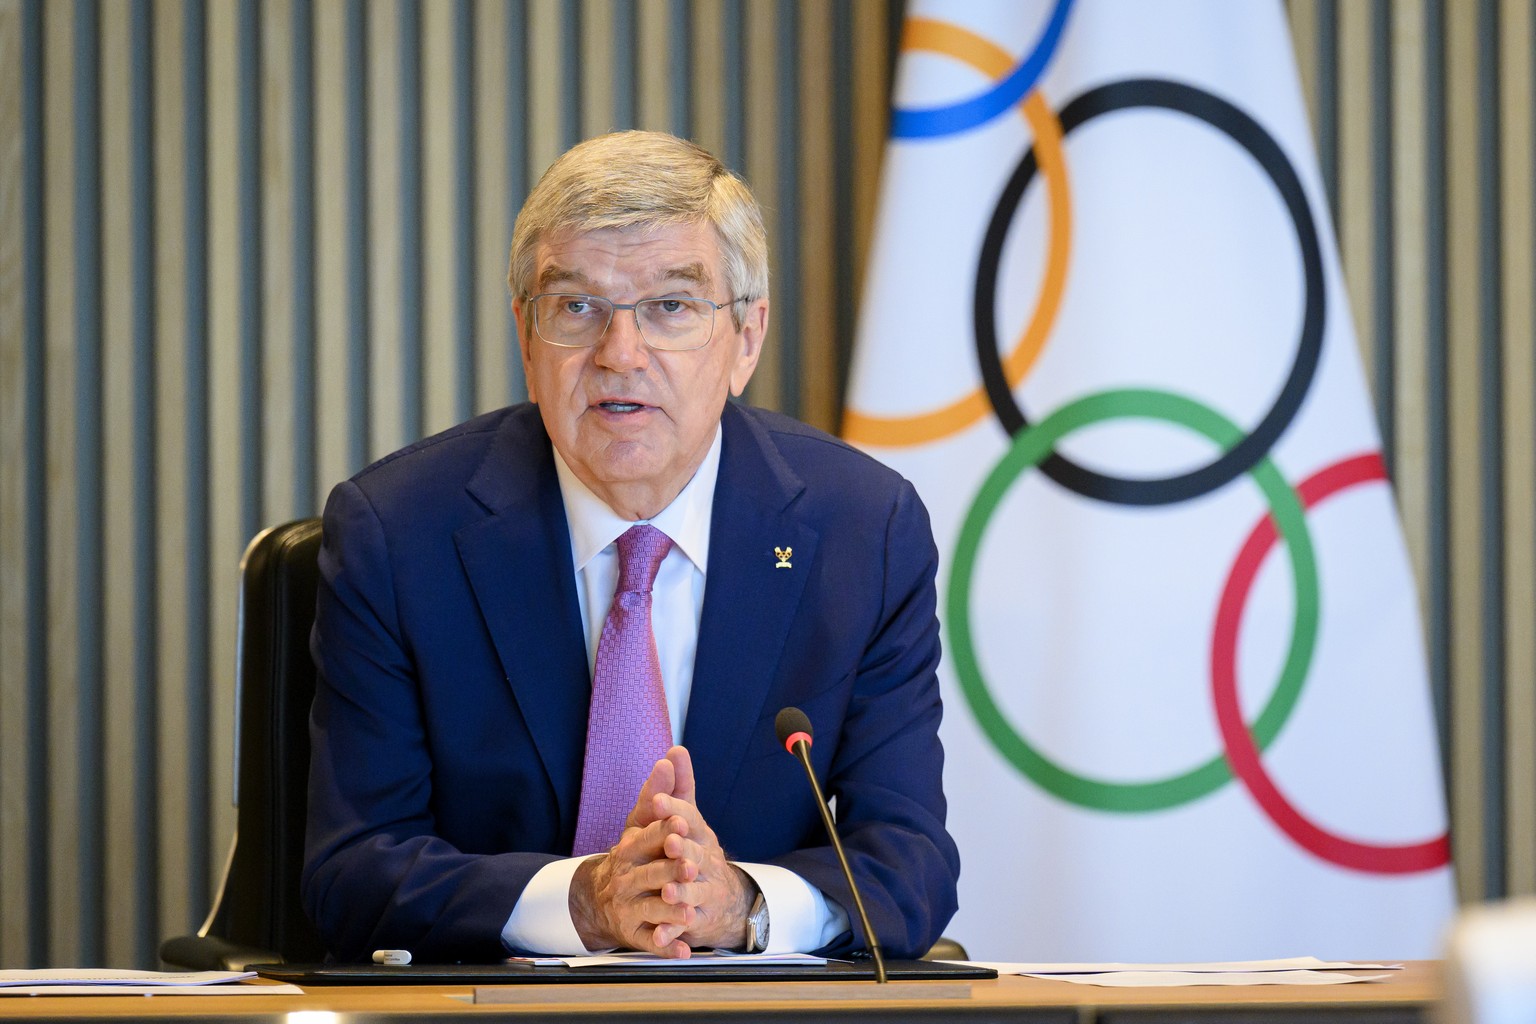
(794, 731)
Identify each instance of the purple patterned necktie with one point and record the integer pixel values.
(628, 729)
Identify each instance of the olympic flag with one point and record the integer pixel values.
(1104, 332)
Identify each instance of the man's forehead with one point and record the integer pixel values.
(683, 252)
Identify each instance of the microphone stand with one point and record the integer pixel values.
(803, 752)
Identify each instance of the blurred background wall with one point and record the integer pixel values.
(247, 246)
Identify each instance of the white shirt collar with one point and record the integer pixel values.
(686, 520)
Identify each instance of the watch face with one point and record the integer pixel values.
(757, 925)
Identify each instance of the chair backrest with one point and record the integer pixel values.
(259, 903)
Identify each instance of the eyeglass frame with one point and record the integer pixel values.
(634, 309)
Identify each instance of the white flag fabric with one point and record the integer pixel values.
(1105, 334)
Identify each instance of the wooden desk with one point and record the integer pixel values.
(1406, 997)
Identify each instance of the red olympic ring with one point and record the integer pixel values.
(1241, 752)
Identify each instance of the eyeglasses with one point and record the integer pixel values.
(676, 323)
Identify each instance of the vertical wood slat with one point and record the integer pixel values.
(381, 257)
(409, 206)
(680, 99)
(359, 245)
(438, 264)
(1410, 228)
(817, 381)
(62, 773)
(784, 228)
(1490, 448)
(871, 106)
(465, 59)
(546, 117)
(1438, 580)
(1465, 392)
(333, 383)
(143, 794)
(231, 489)
(492, 239)
(270, 435)
(189, 855)
(518, 169)
(302, 271)
(761, 149)
(172, 541)
(250, 146)
(90, 488)
(654, 43)
(118, 560)
(707, 79)
(843, 306)
(1383, 271)
(38, 306)
(624, 44)
(1517, 48)
(1355, 160)
(14, 498)
(598, 42)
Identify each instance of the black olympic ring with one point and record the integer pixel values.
(1246, 132)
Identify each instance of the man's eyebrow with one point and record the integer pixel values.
(556, 274)
(694, 273)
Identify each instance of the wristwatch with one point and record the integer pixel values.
(757, 925)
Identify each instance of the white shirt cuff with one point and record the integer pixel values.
(541, 921)
(800, 917)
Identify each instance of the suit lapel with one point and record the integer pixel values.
(749, 601)
(518, 559)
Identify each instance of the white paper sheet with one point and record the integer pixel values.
(110, 982)
(1186, 979)
(1298, 963)
(108, 976)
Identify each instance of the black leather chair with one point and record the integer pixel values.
(256, 917)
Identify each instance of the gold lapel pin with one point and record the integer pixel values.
(783, 558)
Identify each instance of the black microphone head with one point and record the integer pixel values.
(791, 722)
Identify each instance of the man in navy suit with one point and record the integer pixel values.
(465, 583)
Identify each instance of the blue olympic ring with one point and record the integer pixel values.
(932, 122)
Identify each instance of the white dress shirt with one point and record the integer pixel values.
(801, 918)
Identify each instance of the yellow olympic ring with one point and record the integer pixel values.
(991, 60)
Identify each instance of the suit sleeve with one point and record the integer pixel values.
(376, 875)
(886, 768)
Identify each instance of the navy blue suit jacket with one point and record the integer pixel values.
(450, 719)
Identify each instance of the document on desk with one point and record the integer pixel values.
(1303, 970)
(701, 960)
(79, 981)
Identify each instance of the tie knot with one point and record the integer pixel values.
(641, 549)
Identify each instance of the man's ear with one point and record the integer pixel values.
(525, 344)
(754, 329)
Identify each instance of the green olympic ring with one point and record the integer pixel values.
(1034, 444)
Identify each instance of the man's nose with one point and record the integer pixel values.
(621, 347)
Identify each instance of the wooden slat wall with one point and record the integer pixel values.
(246, 247)
(1428, 110)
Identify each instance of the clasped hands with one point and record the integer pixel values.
(666, 886)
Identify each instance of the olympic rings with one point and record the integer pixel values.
(1247, 451)
(1035, 445)
(991, 60)
(1028, 449)
(1240, 749)
(933, 122)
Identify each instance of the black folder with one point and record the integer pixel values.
(517, 973)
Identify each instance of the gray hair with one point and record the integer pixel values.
(638, 179)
